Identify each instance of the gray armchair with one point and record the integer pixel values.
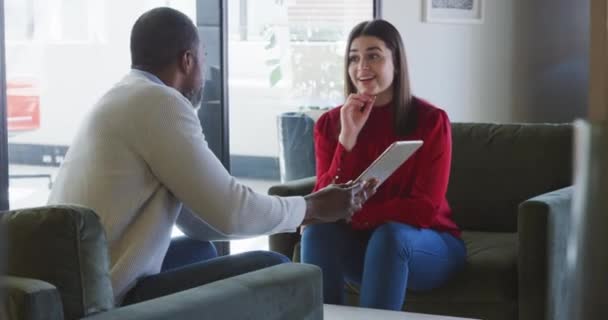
(509, 193)
(58, 269)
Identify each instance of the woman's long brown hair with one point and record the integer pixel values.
(403, 112)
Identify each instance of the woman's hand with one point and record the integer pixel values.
(353, 115)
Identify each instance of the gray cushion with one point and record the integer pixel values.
(30, 299)
(64, 246)
(497, 166)
(285, 291)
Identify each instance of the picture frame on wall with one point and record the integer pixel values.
(453, 11)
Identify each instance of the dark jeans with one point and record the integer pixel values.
(385, 261)
(191, 263)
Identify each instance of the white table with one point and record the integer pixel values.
(334, 312)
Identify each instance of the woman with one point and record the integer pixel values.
(404, 236)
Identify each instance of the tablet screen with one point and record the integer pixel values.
(391, 159)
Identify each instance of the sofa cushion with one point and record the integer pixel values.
(490, 274)
(64, 246)
(497, 166)
(488, 281)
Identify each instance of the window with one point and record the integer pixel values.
(61, 55)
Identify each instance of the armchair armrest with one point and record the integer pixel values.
(286, 291)
(30, 299)
(543, 223)
(300, 187)
(284, 243)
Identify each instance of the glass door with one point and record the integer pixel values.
(284, 57)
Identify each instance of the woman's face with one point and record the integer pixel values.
(371, 68)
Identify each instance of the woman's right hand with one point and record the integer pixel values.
(353, 115)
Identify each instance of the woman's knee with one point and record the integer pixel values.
(393, 237)
(394, 232)
(322, 233)
(323, 242)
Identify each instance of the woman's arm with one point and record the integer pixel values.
(336, 138)
(333, 163)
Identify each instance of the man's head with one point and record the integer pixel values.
(165, 42)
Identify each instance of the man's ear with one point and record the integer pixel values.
(187, 61)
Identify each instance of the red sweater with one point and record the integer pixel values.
(415, 193)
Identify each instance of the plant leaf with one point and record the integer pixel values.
(275, 76)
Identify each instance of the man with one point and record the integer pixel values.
(141, 153)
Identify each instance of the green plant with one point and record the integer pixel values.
(315, 66)
(276, 74)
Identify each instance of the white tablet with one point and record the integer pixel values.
(391, 159)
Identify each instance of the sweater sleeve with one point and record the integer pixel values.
(333, 163)
(421, 206)
(175, 149)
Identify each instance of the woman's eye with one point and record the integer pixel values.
(353, 59)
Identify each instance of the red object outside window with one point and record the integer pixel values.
(23, 105)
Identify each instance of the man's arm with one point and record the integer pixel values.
(176, 151)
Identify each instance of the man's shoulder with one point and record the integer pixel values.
(143, 89)
(134, 94)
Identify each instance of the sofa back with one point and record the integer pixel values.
(66, 247)
(497, 166)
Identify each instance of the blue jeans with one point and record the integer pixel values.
(184, 251)
(192, 263)
(385, 262)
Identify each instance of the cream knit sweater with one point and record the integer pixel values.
(137, 157)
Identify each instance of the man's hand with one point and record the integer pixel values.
(337, 202)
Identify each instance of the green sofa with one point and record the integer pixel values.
(509, 190)
(58, 269)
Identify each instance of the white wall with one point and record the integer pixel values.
(466, 69)
(527, 62)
